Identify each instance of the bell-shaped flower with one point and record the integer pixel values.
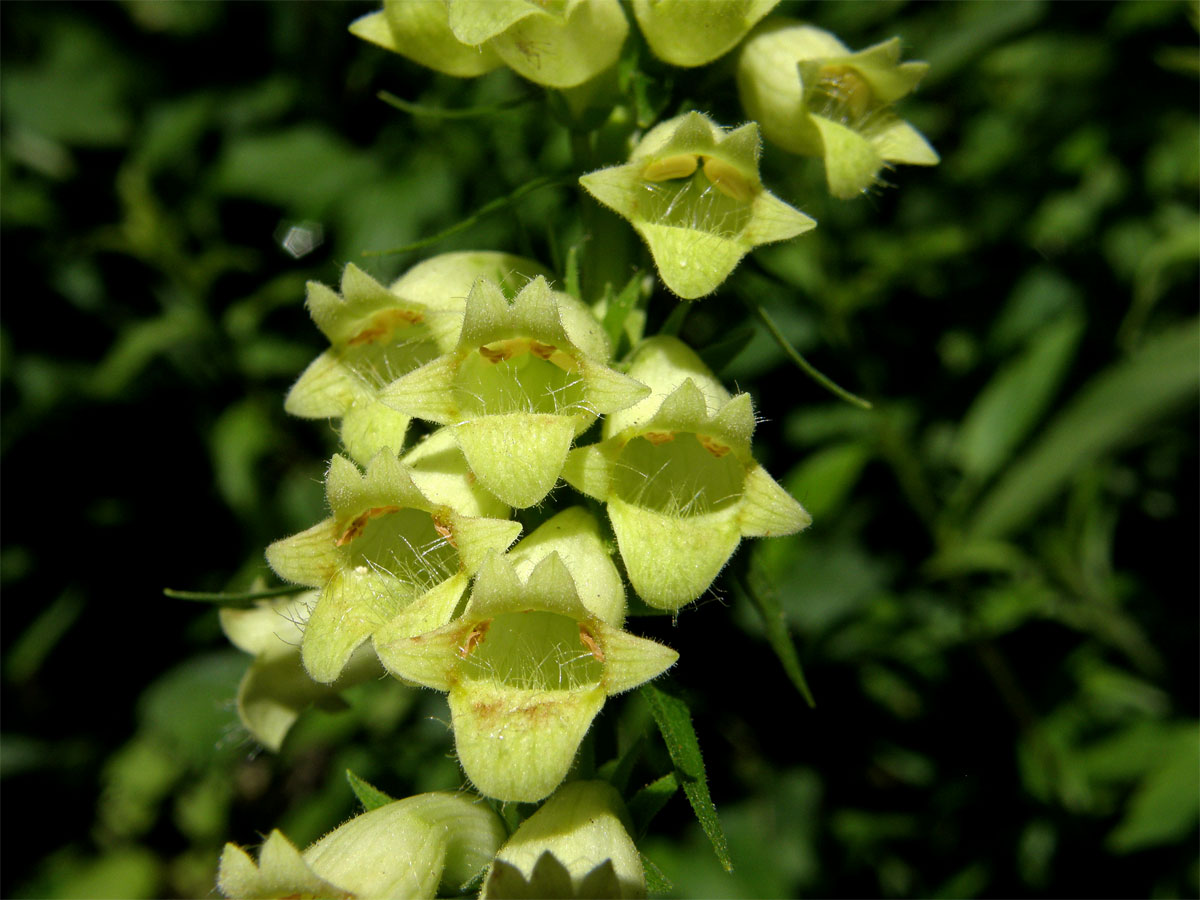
(680, 483)
(276, 689)
(377, 334)
(815, 97)
(559, 45)
(527, 667)
(692, 191)
(403, 849)
(387, 551)
(576, 845)
(686, 33)
(523, 381)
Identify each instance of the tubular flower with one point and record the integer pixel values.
(676, 472)
(523, 381)
(527, 667)
(692, 191)
(387, 552)
(576, 845)
(685, 33)
(403, 849)
(813, 96)
(558, 44)
(377, 334)
(276, 689)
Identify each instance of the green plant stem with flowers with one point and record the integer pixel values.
(478, 383)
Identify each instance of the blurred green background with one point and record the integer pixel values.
(996, 606)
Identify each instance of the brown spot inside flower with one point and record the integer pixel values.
(659, 437)
(589, 642)
(713, 446)
(359, 524)
(384, 323)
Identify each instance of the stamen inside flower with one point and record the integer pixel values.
(403, 546)
(519, 375)
(688, 476)
(532, 649)
(841, 94)
(714, 197)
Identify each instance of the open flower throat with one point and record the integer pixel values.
(532, 649)
(678, 473)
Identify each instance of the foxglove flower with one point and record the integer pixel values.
(692, 191)
(377, 334)
(387, 551)
(686, 33)
(522, 382)
(576, 845)
(560, 45)
(680, 483)
(815, 97)
(276, 689)
(403, 849)
(527, 667)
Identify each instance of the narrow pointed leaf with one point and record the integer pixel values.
(368, 795)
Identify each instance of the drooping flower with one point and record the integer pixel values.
(377, 334)
(692, 191)
(576, 845)
(558, 44)
(527, 667)
(276, 689)
(677, 474)
(386, 552)
(686, 33)
(522, 382)
(403, 849)
(814, 97)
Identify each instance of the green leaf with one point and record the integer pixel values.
(619, 308)
(1112, 410)
(766, 602)
(1166, 805)
(675, 722)
(656, 881)
(646, 803)
(368, 795)
(1016, 397)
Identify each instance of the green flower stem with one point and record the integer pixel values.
(437, 112)
(606, 252)
(795, 356)
(487, 209)
(245, 598)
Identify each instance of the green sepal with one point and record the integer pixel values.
(685, 33)
(426, 393)
(429, 612)
(280, 872)
(630, 660)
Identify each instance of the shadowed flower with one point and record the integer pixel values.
(815, 97)
(403, 849)
(692, 191)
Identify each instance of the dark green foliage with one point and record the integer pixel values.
(995, 606)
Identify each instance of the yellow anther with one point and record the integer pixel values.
(728, 180)
(671, 167)
(383, 324)
(848, 87)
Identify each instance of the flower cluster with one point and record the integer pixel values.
(416, 568)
